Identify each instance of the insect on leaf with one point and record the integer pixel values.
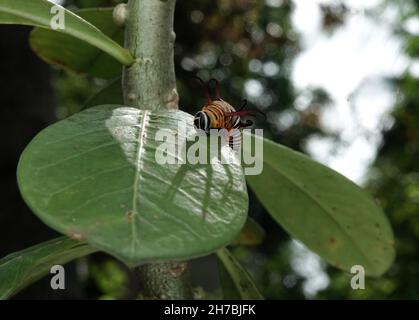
(94, 177)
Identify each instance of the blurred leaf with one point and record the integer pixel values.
(228, 288)
(38, 13)
(252, 234)
(94, 176)
(244, 287)
(110, 278)
(412, 46)
(110, 94)
(72, 91)
(64, 50)
(91, 3)
(22, 268)
(327, 212)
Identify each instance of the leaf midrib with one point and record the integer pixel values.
(140, 149)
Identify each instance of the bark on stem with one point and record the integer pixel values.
(167, 280)
(150, 84)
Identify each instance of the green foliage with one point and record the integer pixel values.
(76, 55)
(110, 278)
(21, 268)
(110, 94)
(327, 212)
(240, 283)
(72, 92)
(38, 13)
(94, 177)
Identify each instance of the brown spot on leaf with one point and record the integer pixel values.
(332, 240)
(130, 215)
(76, 235)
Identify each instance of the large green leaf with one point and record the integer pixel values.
(235, 280)
(76, 55)
(22, 268)
(38, 13)
(94, 176)
(327, 212)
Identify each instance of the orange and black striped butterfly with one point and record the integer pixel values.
(219, 114)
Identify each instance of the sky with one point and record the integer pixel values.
(350, 65)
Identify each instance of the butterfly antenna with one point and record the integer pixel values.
(217, 87)
(204, 85)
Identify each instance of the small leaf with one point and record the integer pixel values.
(64, 50)
(327, 212)
(110, 94)
(252, 234)
(38, 13)
(94, 176)
(244, 286)
(20, 269)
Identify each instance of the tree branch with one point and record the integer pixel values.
(150, 82)
(165, 280)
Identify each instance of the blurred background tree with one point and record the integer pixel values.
(394, 178)
(251, 47)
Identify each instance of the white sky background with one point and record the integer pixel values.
(348, 64)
